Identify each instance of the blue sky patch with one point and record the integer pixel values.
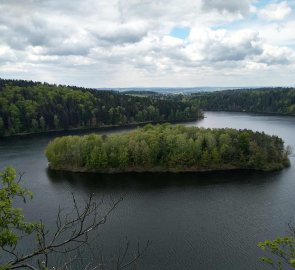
(180, 32)
(262, 3)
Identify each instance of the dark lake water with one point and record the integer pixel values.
(194, 221)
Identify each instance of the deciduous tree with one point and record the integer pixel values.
(71, 233)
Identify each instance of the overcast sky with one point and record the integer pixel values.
(121, 43)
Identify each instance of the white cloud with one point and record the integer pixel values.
(275, 11)
(222, 45)
(276, 55)
(6, 53)
(250, 65)
(124, 43)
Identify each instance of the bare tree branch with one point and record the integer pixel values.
(71, 232)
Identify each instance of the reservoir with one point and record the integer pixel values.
(192, 220)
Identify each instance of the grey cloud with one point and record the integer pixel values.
(277, 61)
(52, 26)
(232, 6)
(220, 52)
(28, 30)
(121, 35)
(281, 60)
(66, 50)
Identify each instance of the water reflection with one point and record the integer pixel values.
(150, 181)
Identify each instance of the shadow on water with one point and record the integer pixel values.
(151, 181)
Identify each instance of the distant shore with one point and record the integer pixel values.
(108, 127)
(102, 127)
(251, 112)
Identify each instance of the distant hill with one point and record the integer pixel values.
(141, 93)
(169, 90)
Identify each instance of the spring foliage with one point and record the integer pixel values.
(266, 100)
(12, 220)
(282, 250)
(168, 148)
(27, 106)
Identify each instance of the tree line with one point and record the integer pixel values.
(27, 106)
(264, 100)
(169, 148)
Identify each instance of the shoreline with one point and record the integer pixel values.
(247, 112)
(159, 169)
(100, 128)
(139, 124)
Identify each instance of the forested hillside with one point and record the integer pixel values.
(27, 106)
(169, 148)
(264, 100)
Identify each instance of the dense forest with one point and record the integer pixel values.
(264, 100)
(168, 148)
(27, 106)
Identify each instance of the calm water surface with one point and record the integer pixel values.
(194, 221)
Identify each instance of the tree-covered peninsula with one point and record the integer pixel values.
(264, 100)
(157, 148)
(28, 107)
